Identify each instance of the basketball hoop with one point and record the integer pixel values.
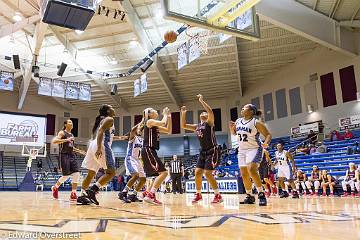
(203, 35)
(33, 151)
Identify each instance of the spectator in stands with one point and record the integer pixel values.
(348, 134)
(335, 136)
(314, 180)
(312, 149)
(353, 149)
(39, 165)
(321, 148)
(303, 149)
(327, 181)
(350, 179)
(312, 137)
(56, 171)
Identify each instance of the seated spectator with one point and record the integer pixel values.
(335, 136)
(312, 137)
(312, 149)
(321, 148)
(348, 134)
(327, 181)
(355, 149)
(350, 179)
(303, 149)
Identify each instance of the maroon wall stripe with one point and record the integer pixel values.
(348, 84)
(328, 89)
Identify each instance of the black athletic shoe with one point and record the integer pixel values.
(124, 197)
(284, 194)
(83, 200)
(262, 199)
(91, 193)
(248, 200)
(133, 198)
(295, 194)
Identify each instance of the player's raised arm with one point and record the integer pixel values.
(183, 123)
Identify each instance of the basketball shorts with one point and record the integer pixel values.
(106, 161)
(68, 164)
(264, 170)
(152, 163)
(247, 156)
(133, 166)
(285, 171)
(209, 159)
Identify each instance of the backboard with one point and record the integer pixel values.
(33, 151)
(232, 17)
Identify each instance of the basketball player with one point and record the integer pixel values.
(248, 130)
(134, 166)
(300, 180)
(67, 162)
(350, 179)
(327, 180)
(153, 166)
(357, 180)
(264, 170)
(285, 170)
(314, 180)
(99, 155)
(209, 154)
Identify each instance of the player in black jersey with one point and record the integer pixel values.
(67, 161)
(153, 166)
(209, 154)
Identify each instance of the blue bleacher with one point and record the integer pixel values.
(335, 160)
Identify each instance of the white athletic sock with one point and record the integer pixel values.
(98, 184)
(198, 191)
(259, 189)
(83, 192)
(126, 189)
(73, 190)
(249, 192)
(153, 190)
(216, 191)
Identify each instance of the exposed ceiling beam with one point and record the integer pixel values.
(309, 24)
(146, 43)
(38, 39)
(101, 83)
(353, 24)
(334, 8)
(315, 4)
(357, 9)
(14, 27)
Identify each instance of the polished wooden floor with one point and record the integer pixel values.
(305, 218)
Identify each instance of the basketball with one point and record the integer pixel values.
(170, 36)
(6, 81)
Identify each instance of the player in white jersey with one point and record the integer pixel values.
(285, 170)
(248, 130)
(99, 155)
(134, 166)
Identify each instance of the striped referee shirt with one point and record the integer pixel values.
(175, 166)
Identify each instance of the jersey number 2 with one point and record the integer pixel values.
(243, 137)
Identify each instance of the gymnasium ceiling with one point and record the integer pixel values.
(229, 68)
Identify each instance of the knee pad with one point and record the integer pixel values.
(75, 177)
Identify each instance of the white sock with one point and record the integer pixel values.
(216, 191)
(74, 191)
(83, 192)
(153, 190)
(98, 184)
(249, 192)
(259, 189)
(198, 191)
(126, 189)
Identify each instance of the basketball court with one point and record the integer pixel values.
(178, 218)
(68, 66)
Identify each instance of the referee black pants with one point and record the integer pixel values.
(176, 182)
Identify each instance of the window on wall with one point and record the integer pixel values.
(137, 119)
(256, 102)
(328, 89)
(348, 84)
(175, 117)
(295, 101)
(126, 124)
(75, 129)
(234, 114)
(281, 106)
(217, 116)
(268, 107)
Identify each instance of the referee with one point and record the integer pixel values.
(176, 172)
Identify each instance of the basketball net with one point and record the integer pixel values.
(203, 35)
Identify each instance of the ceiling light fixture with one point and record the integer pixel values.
(79, 32)
(17, 17)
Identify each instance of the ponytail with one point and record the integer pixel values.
(64, 127)
(258, 113)
(103, 112)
